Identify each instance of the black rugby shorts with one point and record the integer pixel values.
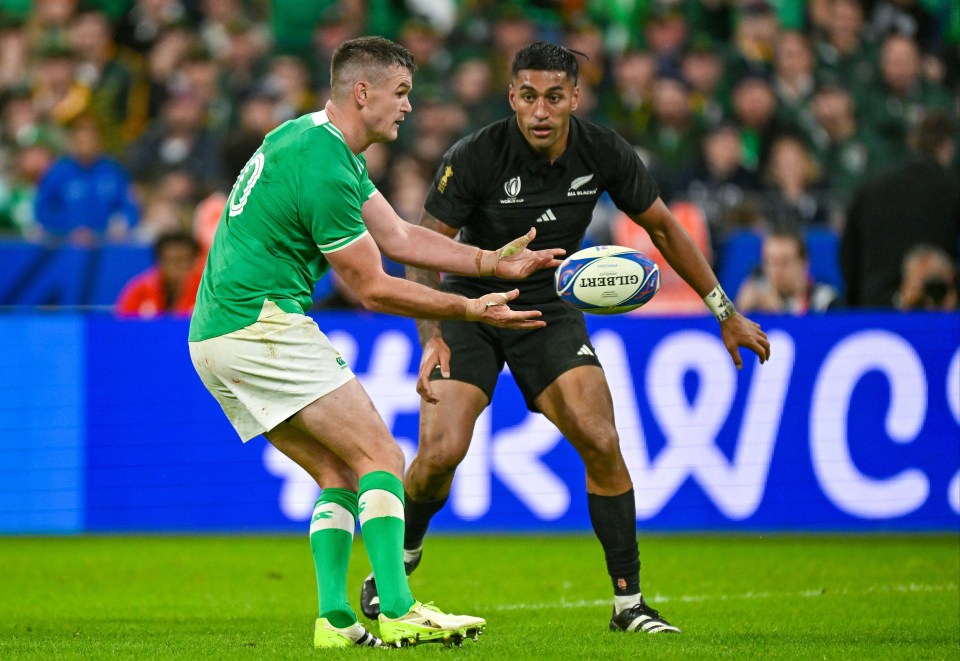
(536, 357)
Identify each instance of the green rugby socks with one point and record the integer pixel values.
(331, 540)
(381, 521)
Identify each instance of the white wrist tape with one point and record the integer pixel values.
(720, 305)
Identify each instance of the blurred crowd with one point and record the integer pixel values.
(127, 120)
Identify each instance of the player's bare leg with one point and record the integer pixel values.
(356, 448)
(579, 403)
(446, 429)
(331, 535)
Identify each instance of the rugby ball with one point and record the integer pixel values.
(607, 279)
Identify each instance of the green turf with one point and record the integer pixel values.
(802, 597)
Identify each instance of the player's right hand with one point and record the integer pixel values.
(738, 331)
(436, 355)
(492, 309)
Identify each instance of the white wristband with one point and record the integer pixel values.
(720, 305)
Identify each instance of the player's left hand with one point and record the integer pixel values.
(738, 331)
(436, 354)
(515, 261)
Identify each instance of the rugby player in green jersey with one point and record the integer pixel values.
(303, 204)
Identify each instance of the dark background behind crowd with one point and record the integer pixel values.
(127, 120)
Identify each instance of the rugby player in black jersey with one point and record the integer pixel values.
(542, 167)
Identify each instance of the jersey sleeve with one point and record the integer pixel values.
(630, 185)
(330, 205)
(453, 195)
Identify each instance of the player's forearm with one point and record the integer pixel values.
(427, 329)
(426, 249)
(411, 299)
(682, 254)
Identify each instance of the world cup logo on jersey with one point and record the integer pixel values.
(512, 187)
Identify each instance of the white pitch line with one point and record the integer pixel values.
(746, 596)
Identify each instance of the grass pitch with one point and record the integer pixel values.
(547, 597)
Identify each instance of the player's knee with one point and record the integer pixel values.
(388, 456)
(442, 461)
(601, 448)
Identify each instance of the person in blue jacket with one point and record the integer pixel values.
(86, 196)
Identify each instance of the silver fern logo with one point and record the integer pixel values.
(512, 187)
(576, 186)
(580, 181)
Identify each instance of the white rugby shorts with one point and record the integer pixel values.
(267, 372)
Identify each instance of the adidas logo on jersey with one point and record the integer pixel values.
(585, 351)
(546, 216)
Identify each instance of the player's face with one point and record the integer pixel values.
(388, 102)
(543, 101)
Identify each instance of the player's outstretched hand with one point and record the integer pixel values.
(436, 354)
(515, 261)
(492, 309)
(738, 331)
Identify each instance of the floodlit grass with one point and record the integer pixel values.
(545, 597)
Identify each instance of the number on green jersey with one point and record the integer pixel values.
(245, 182)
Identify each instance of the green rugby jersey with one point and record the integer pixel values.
(298, 197)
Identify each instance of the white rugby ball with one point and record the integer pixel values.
(607, 279)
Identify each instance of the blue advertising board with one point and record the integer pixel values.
(854, 425)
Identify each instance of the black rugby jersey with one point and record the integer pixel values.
(495, 187)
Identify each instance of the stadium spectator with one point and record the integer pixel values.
(793, 78)
(718, 181)
(782, 284)
(306, 205)
(147, 21)
(472, 85)
(629, 104)
(843, 53)
(86, 196)
(928, 280)
(665, 34)
(170, 286)
(673, 135)
(18, 191)
(176, 140)
(794, 194)
(244, 58)
(214, 26)
(14, 54)
(755, 112)
(756, 32)
(289, 78)
(165, 66)
(703, 69)
(57, 93)
(901, 96)
(49, 21)
(907, 17)
(200, 74)
(916, 201)
(845, 150)
(260, 113)
(118, 91)
(542, 162)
